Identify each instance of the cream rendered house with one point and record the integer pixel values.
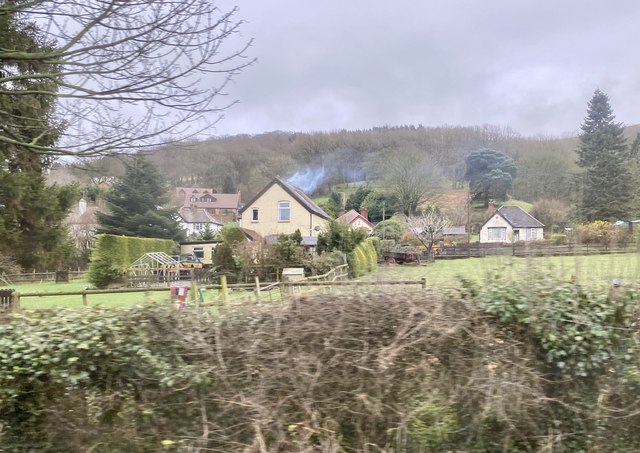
(281, 208)
(511, 224)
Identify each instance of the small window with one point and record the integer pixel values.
(532, 233)
(497, 234)
(198, 252)
(254, 215)
(284, 211)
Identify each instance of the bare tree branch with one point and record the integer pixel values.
(129, 74)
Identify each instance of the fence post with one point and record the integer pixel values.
(257, 289)
(224, 290)
(424, 282)
(15, 301)
(84, 298)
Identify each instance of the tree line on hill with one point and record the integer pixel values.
(410, 166)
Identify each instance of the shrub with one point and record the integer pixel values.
(599, 232)
(558, 239)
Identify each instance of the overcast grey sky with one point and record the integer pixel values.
(354, 64)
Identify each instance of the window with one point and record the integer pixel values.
(532, 233)
(497, 234)
(284, 211)
(198, 226)
(254, 215)
(198, 252)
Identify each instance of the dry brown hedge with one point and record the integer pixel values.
(382, 371)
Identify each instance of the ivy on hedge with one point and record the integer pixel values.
(112, 256)
(580, 332)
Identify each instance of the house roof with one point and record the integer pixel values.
(252, 235)
(351, 216)
(307, 241)
(295, 192)
(518, 218)
(454, 230)
(218, 200)
(197, 215)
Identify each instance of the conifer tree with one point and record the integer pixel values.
(607, 182)
(32, 230)
(138, 204)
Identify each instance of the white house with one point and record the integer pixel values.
(197, 220)
(511, 224)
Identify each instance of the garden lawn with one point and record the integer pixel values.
(593, 270)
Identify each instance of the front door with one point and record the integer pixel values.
(516, 235)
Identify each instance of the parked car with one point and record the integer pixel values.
(188, 260)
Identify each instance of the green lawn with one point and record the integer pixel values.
(117, 300)
(595, 270)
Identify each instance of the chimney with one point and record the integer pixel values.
(364, 213)
(491, 208)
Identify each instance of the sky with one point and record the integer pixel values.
(353, 64)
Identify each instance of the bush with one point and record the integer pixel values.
(599, 232)
(558, 239)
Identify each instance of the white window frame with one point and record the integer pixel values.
(497, 233)
(255, 214)
(284, 207)
(532, 233)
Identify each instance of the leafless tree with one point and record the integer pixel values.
(428, 227)
(129, 74)
(412, 176)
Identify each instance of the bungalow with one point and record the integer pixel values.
(511, 224)
(281, 208)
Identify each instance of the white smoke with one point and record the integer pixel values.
(308, 179)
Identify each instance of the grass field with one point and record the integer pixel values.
(595, 270)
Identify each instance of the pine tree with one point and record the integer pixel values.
(138, 204)
(607, 182)
(32, 229)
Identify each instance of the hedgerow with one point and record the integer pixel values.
(410, 371)
(112, 255)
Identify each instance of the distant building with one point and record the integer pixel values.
(194, 220)
(281, 208)
(222, 206)
(357, 220)
(83, 224)
(511, 224)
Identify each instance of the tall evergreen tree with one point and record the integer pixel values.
(32, 230)
(607, 182)
(138, 204)
(490, 174)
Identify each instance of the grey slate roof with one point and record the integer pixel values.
(197, 215)
(295, 192)
(518, 218)
(454, 230)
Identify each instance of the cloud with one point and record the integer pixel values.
(528, 65)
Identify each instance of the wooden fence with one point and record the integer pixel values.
(532, 249)
(58, 276)
(335, 278)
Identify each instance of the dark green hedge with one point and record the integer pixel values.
(112, 256)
